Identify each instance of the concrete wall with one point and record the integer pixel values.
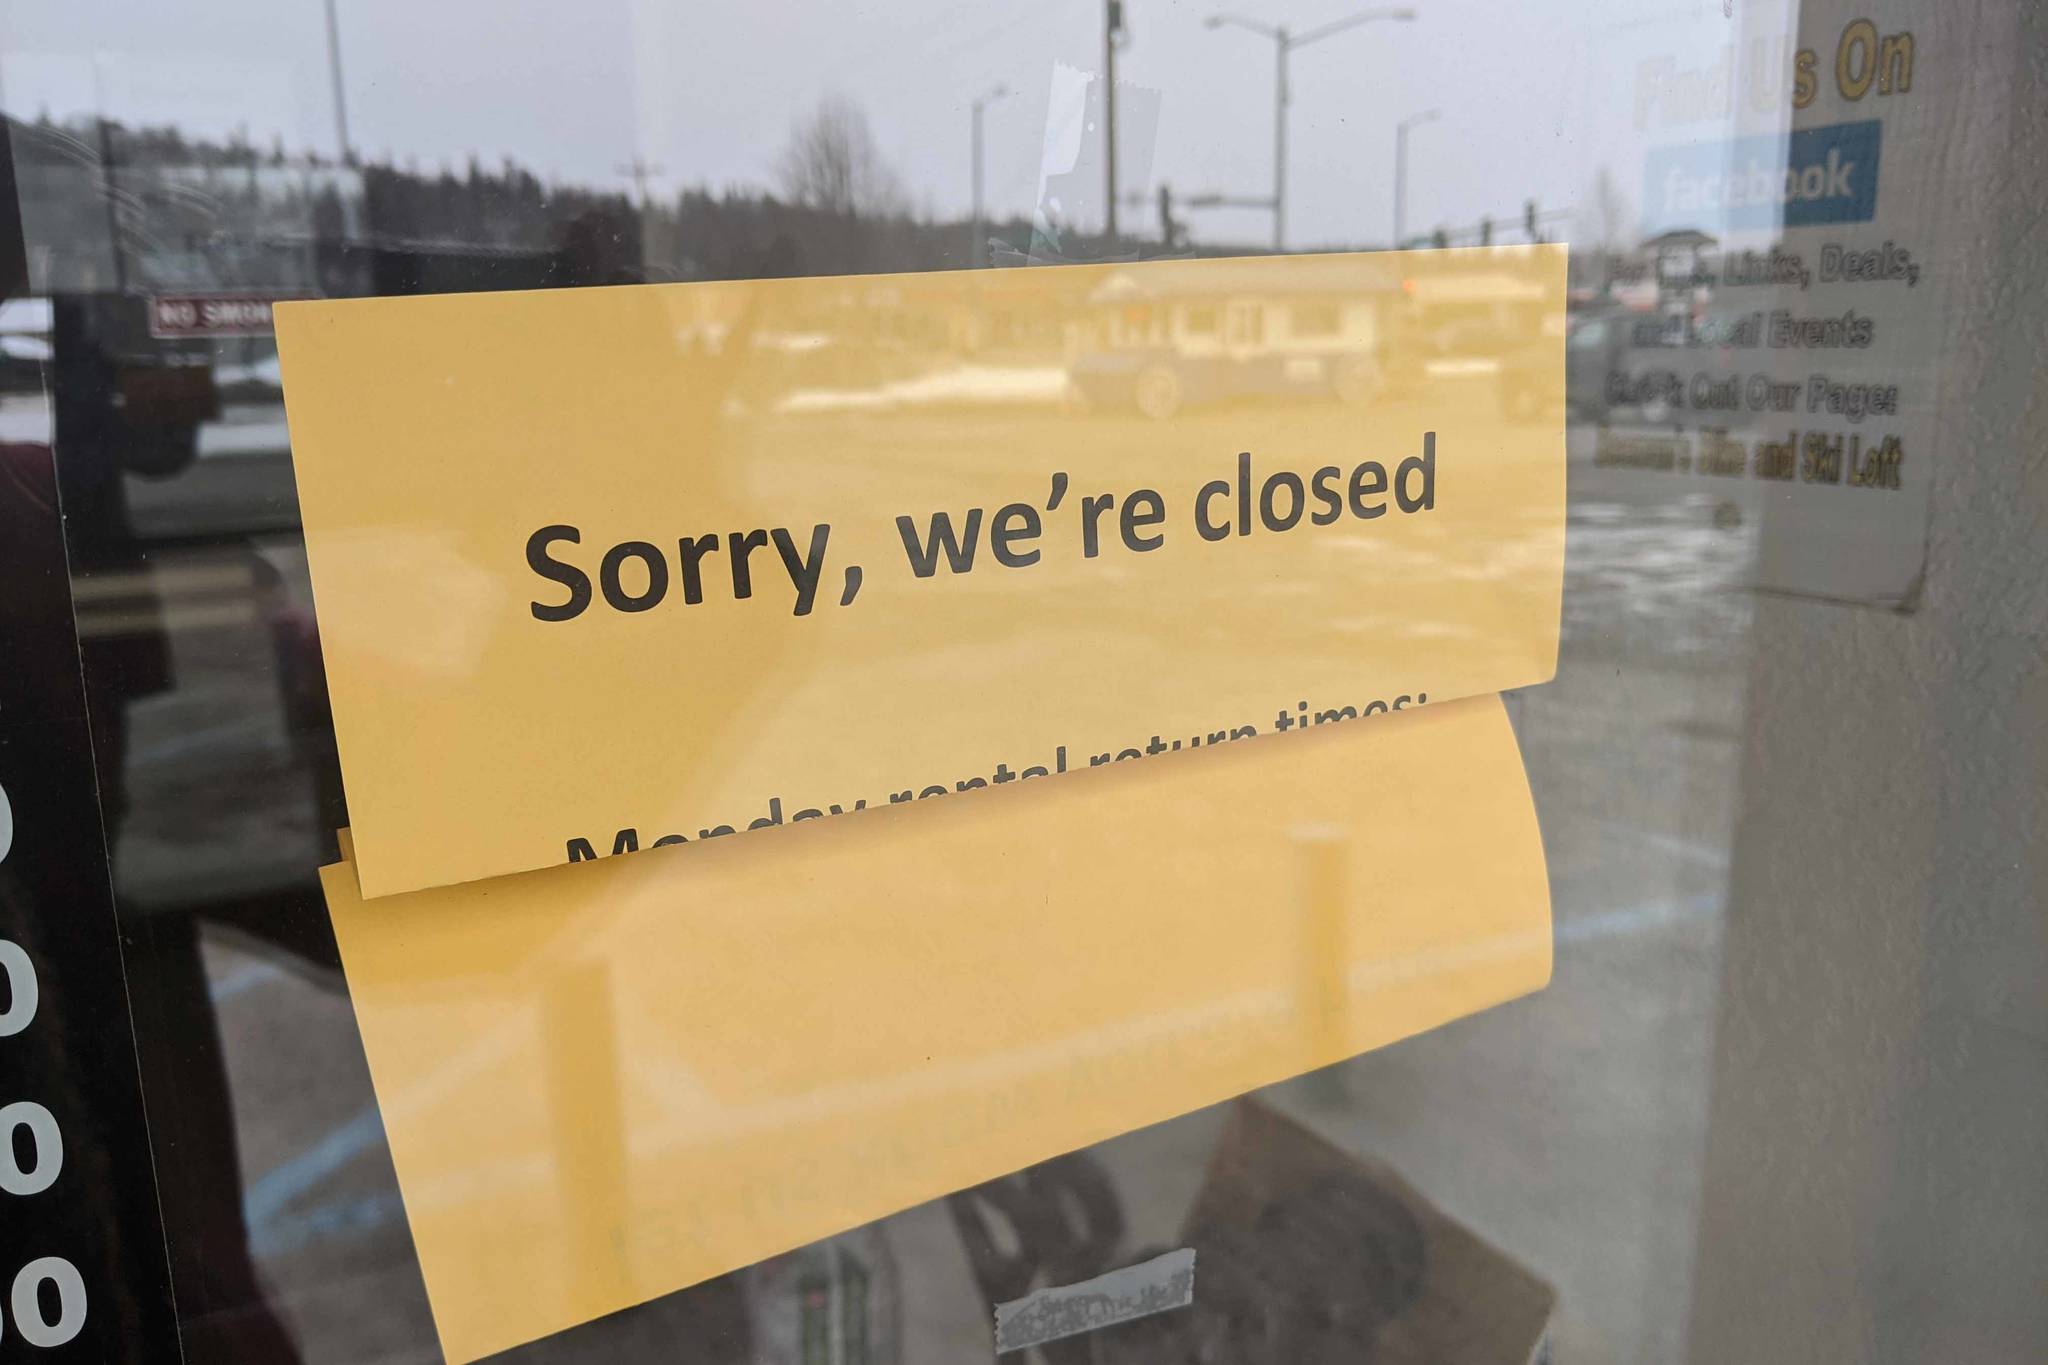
(1876, 1177)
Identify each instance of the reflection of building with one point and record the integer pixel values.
(1683, 262)
(1161, 339)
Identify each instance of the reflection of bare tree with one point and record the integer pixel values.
(832, 163)
(208, 214)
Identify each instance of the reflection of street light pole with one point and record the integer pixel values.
(1285, 42)
(110, 189)
(334, 72)
(640, 171)
(980, 257)
(1401, 169)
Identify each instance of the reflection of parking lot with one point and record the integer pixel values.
(241, 480)
(221, 793)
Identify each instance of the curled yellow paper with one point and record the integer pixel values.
(607, 1081)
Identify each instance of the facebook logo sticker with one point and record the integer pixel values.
(1816, 175)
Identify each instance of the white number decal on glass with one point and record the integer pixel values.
(21, 989)
(43, 1136)
(26, 1301)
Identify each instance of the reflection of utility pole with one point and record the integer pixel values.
(1112, 30)
(1401, 170)
(639, 172)
(110, 194)
(980, 256)
(110, 188)
(1280, 46)
(1284, 43)
(334, 73)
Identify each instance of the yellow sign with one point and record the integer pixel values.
(606, 1082)
(599, 569)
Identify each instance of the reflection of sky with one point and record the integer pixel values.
(1534, 97)
(207, 95)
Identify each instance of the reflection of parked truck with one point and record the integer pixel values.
(1594, 341)
(1160, 340)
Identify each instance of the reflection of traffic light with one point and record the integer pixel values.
(1169, 226)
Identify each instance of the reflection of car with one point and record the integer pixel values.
(258, 379)
(1235, 332)
(1596, 345)
(23, 361)
(1468, 337)
(25, 352)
